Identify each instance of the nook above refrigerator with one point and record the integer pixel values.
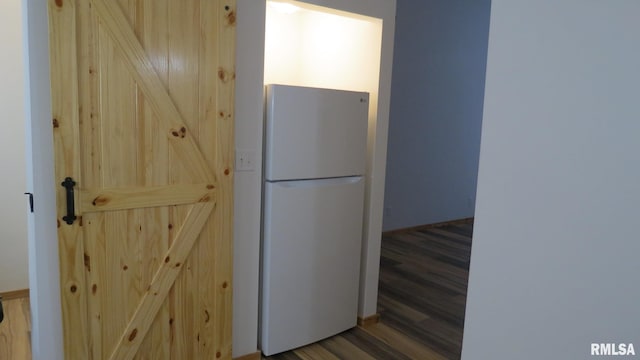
(315, 158)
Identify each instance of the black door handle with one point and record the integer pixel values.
(68, 184)
(30, 201)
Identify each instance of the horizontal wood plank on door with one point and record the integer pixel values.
(145, 196)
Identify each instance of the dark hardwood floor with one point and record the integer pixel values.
(423, 288)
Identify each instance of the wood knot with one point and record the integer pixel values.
(133, 335)
(223, 75)
(225, 285)
(73, 289)
(226, 171)
(94, 289)
(218, 354)
(167, 259)
(125, 268)
(210, 187)
(207, 317)
(87, 262)
(182, 133)
(56, 123)
(231, 18)
(178, 265)
(100, 201)
(59, 3)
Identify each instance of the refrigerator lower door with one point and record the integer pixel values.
(311, 260)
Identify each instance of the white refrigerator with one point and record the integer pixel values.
(315, 156)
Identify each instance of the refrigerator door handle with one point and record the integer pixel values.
(319, 182)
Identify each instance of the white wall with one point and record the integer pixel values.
(46, 319)
(554, 264)
(248, 184)
(249, 118)
(436, 111)
(314, 48)
(13, 205)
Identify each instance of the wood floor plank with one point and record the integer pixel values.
(373, 346)
(389, 304)
(315, 351)
(430, 333)
(15, 330)
(344, 349)
(397, 340)
(449, 233)
(433, 265)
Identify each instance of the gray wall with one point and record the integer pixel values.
(554, 263)
(436, 111)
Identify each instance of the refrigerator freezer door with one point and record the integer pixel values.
(315, 133)
(311, 260)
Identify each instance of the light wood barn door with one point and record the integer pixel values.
(142, 99)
